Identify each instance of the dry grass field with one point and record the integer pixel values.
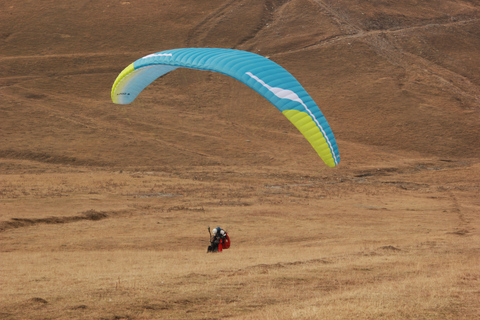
(104, 208)
(100, 244)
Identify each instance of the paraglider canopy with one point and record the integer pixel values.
(266, 77)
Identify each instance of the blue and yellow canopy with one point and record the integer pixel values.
(266, 77)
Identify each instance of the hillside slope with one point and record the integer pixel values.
(390, 76)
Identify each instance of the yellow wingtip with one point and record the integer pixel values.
(304, 123)
(120, 77)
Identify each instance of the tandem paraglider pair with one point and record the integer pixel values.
(219, 240)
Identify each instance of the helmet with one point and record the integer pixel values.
(214, 231)
(222, 232)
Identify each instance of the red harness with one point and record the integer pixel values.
(224, 243)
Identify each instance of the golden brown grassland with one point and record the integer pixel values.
(80, 243)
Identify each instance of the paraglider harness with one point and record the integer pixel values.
(219, 240)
